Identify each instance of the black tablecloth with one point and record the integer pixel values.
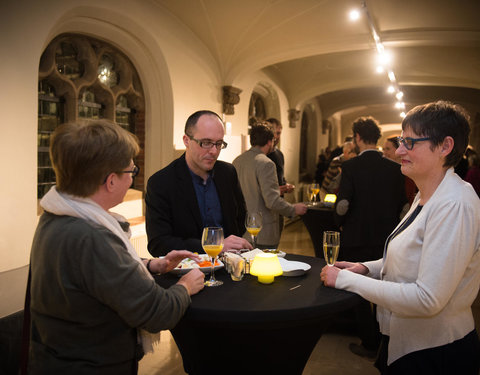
(317, 220)
(248, 327)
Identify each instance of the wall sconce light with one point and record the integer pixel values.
(266, 266)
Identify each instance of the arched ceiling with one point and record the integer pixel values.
(315, 53)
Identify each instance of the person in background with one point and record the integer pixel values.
(473, 174)
(369, 205)
(429, 276)
(258, 179)
(277, 157)
(331, 183)
(94, 302)
(389, 148)
(195, 191)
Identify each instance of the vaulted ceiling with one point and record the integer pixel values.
(315, 53)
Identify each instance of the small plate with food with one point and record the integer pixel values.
(188, 264)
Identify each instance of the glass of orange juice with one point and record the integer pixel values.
(212, 243)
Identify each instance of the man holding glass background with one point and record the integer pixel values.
(195, 191)
(369, 205)
(258, 179)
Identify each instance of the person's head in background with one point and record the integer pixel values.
(366, 133)
(349, 150)
(277, 129)
(389, 148)
(262, 136)
(91, 155)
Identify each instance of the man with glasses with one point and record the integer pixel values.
(195, 191)
(370, 200)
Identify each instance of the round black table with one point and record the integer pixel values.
(250, 328)
(316, 220)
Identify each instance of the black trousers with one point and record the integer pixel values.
(459, 357)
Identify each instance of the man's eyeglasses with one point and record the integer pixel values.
(206, 144)
(134, 171)
(410, 142)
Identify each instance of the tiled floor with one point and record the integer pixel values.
(330, 357)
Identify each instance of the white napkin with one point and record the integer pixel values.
(236, 263)
(249, 255)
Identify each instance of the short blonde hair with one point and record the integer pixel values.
(83, 154)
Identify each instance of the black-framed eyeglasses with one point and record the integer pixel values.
(134, 171)
(410, 142)
(207, 144)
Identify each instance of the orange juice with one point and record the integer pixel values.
(213, 250)
(253, 231)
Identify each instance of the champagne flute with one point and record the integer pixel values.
(212, 243)
(331, 245)
(253, 223)
(314, 190)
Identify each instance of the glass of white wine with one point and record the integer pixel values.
(212, 243)
(314, 190)
(331, 246)
(253, 223)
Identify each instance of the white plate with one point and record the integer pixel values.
(206, 270)
(293, 268)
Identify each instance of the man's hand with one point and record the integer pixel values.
(300, 209)
(193, 281)
(287, 188)
(236, 243)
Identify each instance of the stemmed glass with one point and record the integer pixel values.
(314, 190)
(212, 243)
(253, 223)
(331, 245)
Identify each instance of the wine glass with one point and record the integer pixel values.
(212, 243)
(253, 223)
(331, 245)
(314, 190)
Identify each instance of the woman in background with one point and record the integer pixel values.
(429, 276)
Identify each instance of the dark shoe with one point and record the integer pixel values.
(361, 351)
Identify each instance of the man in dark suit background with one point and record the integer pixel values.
(195, 191)
(369, 205)
(371, 196)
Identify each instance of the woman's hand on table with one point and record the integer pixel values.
(193, 281)
(171, 260)
(329, 274)
(236, 243)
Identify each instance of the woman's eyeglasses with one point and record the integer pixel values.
(134, 172)
(410, 142)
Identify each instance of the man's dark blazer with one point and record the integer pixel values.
(173, 219)
(374, 187)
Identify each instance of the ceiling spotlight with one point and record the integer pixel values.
(402, 114)
(399, 95)
(400, 105)
(354, 15)
(391, 89)
(391, 76)
(380, 69)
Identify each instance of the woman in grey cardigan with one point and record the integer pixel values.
(95, 307)
(429, 276)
